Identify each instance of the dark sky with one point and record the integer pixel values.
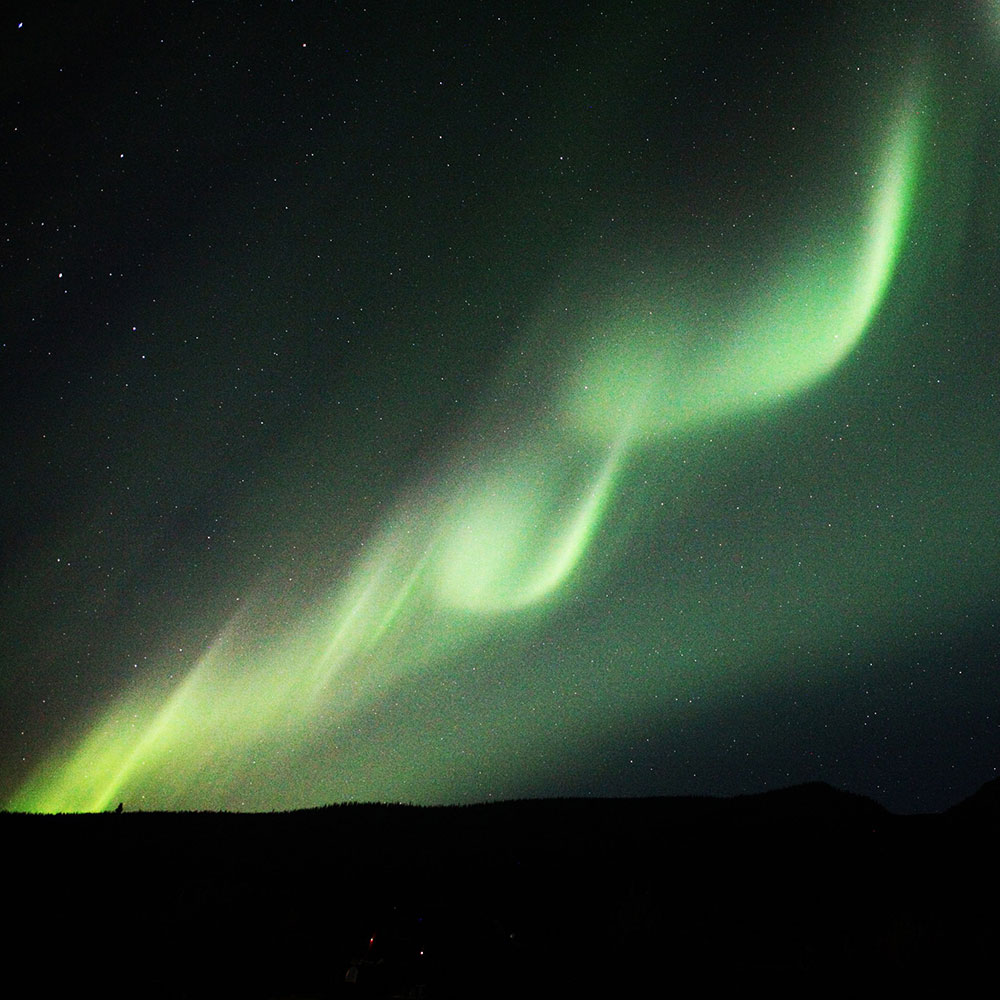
(448, 402)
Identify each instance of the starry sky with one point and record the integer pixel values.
(449, 402)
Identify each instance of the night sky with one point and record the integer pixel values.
(450, 403)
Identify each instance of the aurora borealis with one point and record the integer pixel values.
(482, 405)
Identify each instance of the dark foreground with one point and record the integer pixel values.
(551, 898)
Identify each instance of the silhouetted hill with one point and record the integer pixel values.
(981, 809)
(539, 897)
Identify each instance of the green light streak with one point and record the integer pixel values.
(657, 374)
(509, 544)
(820, 314)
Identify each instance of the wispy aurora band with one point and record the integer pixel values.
(502, 536)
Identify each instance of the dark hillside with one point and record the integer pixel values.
(549, 897)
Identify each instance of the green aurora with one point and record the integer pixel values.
(504, 406)
(503, 538)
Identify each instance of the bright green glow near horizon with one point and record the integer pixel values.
(492, 542)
